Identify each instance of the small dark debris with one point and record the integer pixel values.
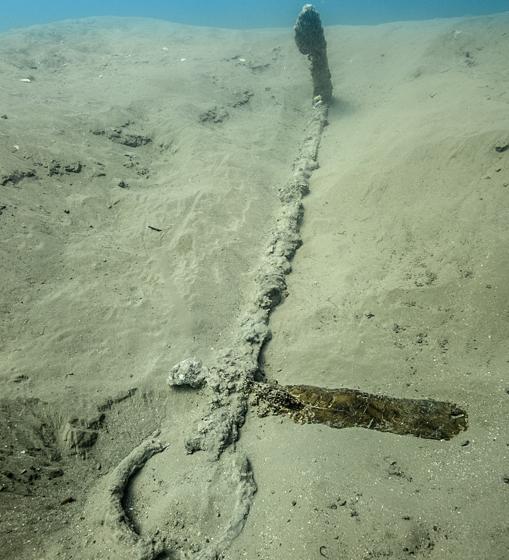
(20, 378)
(55, 473)
(119, 136)
(133, 140)
(67, 211)
(469, 59)
(502, 149)
(123, 184)
(16, 176)
(322, 551)
(122, 396)
(242, 98)
(5, 117)
(99, 171)
(214, 115)
(257, 67)
(294, 503)
(154, 228)
(465, 443)
(421, 338)
(395, 470)
(68, 500)
(370, 315)
(133, 163)
(505, 479)
(56, 167)
(443, 343)
(74, 167)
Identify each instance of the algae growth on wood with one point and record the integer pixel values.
(349, 408)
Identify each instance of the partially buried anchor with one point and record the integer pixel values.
(310, 40)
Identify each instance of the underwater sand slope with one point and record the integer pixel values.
(399, 288)
(135, 210)
(139, 169)
(136, 105)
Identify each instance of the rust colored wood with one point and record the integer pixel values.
(348, 408)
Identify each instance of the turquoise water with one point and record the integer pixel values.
(250, 13)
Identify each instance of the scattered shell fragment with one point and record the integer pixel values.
(26, 80)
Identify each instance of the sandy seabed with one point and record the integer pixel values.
(152, 210)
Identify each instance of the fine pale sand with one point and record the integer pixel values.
(141, 171)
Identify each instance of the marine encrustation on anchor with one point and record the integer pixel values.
(310, 40)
